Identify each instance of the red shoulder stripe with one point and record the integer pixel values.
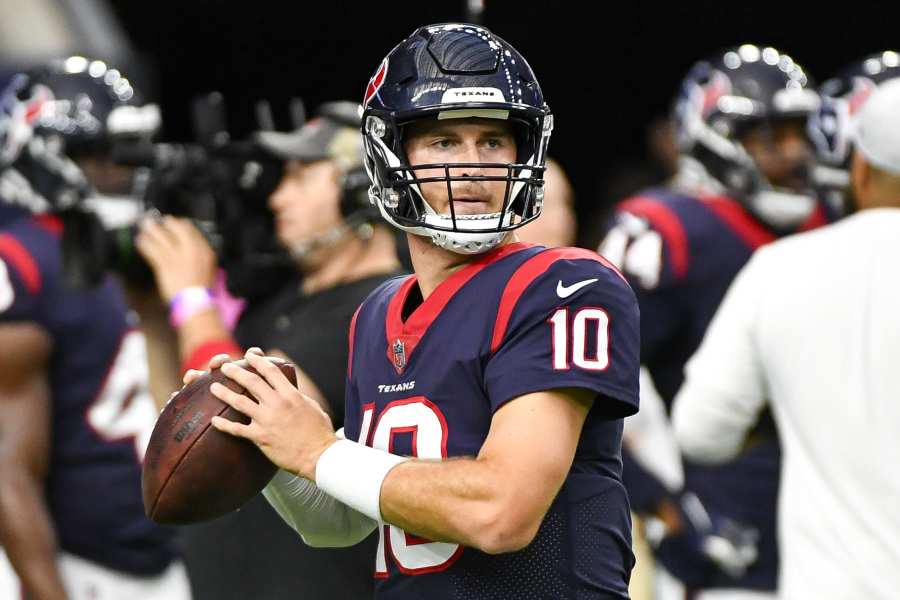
(667, 223)
(739, 221)
(527, 272)
(16, 254)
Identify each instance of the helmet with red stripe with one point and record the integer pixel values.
(450, 71)
(741, 90)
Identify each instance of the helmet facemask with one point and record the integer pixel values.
(397, 187)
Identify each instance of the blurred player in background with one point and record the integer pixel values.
(75, 409)
(342, 252)
(516, 361)
(810, 326)
(831, 129)
(744, 180)
(91, 107)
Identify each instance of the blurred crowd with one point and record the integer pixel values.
(760, 463)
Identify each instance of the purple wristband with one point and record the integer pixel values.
(188, 302)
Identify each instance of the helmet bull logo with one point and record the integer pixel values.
(376, 82)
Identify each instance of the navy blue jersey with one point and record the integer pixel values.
(102, 410)
(680, 253)
(517, 320)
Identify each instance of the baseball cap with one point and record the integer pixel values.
(877, 132)
(332, 134)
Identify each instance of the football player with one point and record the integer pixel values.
(75, 410)
(87, 105)
(486, 392)
(744, 180)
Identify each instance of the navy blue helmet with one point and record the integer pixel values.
(448, 71)
(831, 128)
(33, 175)
(725, 96)
(88, 103)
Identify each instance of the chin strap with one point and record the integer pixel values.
(782, 210)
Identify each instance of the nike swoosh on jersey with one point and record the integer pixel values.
(564, 291)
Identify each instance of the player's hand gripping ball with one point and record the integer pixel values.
(192, 471)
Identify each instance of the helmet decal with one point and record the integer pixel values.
(376, 82)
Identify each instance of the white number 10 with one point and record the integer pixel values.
(597, 359)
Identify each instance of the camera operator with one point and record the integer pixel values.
(324, 220)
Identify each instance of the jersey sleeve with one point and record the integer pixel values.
(22, 278)
(648, 242)
(575, 324)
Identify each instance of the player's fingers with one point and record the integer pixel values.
(232, 428)
(218, 360)
(238, 402)
(270, 372)
(253, 383)
(190, 375)
(254, 350)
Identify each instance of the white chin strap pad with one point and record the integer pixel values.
(783, 209)
(467, 242)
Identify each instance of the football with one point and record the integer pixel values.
(192, 471)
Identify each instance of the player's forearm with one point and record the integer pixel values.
(466, 501)
(27, 536)
(321, 520)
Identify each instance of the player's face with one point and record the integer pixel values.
(462, 141)
(306, 202)
(782, 152)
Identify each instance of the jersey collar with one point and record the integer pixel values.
(403, 337)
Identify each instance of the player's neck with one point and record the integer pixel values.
(433, 265)
(352, 260)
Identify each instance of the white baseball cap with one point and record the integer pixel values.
(878, 127)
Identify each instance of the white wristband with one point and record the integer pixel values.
(353, 474)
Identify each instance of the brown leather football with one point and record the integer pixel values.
(192, 471)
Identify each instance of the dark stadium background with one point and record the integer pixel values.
(606, 68)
